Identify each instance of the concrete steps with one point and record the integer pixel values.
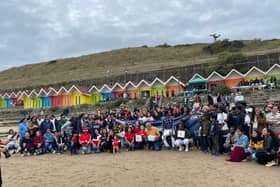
(261, 98)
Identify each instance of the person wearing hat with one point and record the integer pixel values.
(153, 137)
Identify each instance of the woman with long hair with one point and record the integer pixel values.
(267, 155)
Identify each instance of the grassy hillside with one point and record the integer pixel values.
(116, 62)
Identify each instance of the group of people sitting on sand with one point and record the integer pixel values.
(241, 131)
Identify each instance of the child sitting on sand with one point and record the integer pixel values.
(115, 144)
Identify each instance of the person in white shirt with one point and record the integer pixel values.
(273, 119)
(238, 97)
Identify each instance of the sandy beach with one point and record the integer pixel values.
(139, 168)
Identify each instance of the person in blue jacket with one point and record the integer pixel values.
(47, 124)
(22, 127)
(49, 139)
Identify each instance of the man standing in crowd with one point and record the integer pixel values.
(3, 150)
(47, 124)
(273, 119)
(236, 118)
(168, 130)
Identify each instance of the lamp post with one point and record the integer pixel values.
(126, 71)
(107, 73)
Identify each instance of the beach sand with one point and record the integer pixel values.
(139, 168)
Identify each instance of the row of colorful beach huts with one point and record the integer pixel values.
(77, 95)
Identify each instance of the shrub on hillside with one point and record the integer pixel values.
(144, 46)
(165, 45)
(182, 45)
(226, 62)
(221, 89)
(224, 45)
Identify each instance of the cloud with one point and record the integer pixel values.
(38, 30)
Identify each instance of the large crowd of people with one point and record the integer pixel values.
(242, 131)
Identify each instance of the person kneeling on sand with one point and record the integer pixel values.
(85, 141)
(229, 143)
(140, 138)
(268, 154)
(238, 150)
(153, 137)
(38, 143)
(129, 139)
(49, 141)
(182, 137)
(61, 142)
(26, 145)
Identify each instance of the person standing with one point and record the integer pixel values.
(22, 127)
(3, 151)
(273, 119)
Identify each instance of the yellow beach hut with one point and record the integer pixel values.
(80, 95)
(158, 88)
(144, 89)
(35, 100)
(96, 96)
(253, 74)
(273, 75)
(27, 102)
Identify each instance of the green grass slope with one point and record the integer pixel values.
(117, 62)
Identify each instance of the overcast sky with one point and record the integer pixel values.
(33, 31)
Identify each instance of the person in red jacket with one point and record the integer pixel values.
(137, 127)
(140, 138)
(129, 139)
(38, 143)
(85, 141)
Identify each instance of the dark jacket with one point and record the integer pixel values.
(267, 145)
(205, 127)
(27, 141)
(46, 124)
(215, 129)
(60, 139)
(236, 120)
